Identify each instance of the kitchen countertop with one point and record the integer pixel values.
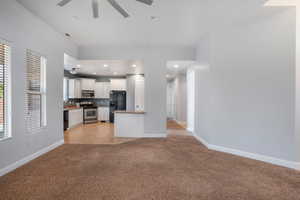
(130, 112)
(72, 108)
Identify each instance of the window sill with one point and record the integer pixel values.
(7, 138)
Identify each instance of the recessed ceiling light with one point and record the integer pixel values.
(176, 66)
(134, 66)
(105, 65)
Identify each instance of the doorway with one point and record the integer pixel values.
(180, 97)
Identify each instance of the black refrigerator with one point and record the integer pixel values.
(117, 102)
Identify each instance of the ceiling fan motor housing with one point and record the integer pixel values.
(113, 3)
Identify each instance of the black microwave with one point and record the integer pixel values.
(88, 94)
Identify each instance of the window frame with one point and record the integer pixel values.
(42, 93)
(8, 94)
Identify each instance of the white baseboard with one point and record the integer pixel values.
(201, 140)
(189, 129)
(263, 158)
(154, 135)
(29, 158)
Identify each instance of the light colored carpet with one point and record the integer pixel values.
(175, 168)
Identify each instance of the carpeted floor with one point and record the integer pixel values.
(176, 168)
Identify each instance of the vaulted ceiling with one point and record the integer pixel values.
(166, 22)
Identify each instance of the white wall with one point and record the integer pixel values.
(246, 97)
(130, 100)
(190, 79)
(297, 113)
(180, 86)
(154, 59)
(25, 31)
(177, 98)
(171, 99)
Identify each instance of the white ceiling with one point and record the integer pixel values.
(110, 67)
(180, 22)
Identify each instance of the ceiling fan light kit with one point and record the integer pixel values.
(113, 3)
(95, 7)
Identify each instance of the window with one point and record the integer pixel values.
(4, 91)
(36, 92)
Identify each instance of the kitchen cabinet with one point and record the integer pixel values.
(106, 90)
(140, 94)
(74, 88)
(88, 84)
(102, 90)
(75, 117)
(118, 84)
(103, 113)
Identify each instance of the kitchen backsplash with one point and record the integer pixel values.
(98, 102)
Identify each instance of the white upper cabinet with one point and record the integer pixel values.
(106, 90)
(118, 84)
(102, 90)
(88, 84)
(98, 90)
(74, 88)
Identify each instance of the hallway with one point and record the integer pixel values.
(174, 128)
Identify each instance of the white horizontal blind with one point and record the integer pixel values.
(36, 92)
(4, 95)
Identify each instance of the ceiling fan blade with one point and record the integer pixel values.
(95, 7)
(114, 4)
(63, 2)
(148, 2)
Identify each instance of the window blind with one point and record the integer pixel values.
(4, 96)
(36, 92)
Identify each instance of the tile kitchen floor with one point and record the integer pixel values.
(97, 133)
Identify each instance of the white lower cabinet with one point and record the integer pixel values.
(75, 117)
(103, 113)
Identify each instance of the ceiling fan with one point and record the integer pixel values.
(113, 3)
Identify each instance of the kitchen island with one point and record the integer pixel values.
(129, 124)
